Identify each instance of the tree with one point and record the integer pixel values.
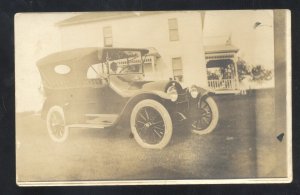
(243, 69)
(257, 73)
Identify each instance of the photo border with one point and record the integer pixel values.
(7, 160)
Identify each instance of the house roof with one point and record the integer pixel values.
(224, 48)
(100, 16)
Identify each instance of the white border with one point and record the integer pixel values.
(156, 182)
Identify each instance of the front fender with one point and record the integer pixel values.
(126, 111)
(204, 93)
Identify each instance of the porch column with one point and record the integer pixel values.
(152, 58)
(236, 77)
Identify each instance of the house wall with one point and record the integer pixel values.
(149, 31)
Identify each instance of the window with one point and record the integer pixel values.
(107, 36)
(62, 69)
(173, 30)
(177, 69)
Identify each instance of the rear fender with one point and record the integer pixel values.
(48, 103)
(45, 108)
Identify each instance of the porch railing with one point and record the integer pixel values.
(148, 59)
(222, 84)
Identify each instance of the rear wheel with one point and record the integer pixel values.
(151, 124)
(207, 117)
(56, 124)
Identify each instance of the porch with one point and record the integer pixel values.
(222, 75)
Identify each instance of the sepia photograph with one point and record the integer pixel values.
(153, 97)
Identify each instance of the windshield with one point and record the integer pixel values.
(124, 62)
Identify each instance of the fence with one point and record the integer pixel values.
(221, 84)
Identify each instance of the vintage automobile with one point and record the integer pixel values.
(105, 88)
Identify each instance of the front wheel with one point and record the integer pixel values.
(207, 117)
(56, 124)
(151, 124)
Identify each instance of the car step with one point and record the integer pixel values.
(105, 119)
(96, 121)
(89, 126)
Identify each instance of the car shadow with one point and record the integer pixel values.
(180, 134)
(107, 133)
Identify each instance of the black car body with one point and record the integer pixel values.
(105, 88)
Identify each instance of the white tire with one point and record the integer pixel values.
(210, 111)
(151, 124)
(56, 124)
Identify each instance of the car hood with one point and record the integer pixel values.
(126, 86)
(156, 85)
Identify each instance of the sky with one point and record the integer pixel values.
(256, 45)
(37, 36)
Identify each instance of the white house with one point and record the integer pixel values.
(175, 39)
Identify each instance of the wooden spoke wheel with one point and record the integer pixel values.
(151, 124)
(56, 124)
(207, 117)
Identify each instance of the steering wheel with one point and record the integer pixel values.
(124, 68)
(130, 66)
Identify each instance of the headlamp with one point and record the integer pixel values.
(194, 92)
(172, 92)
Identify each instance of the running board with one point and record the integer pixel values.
(96, 121)
(89, 126)
(105, 119)
(101, 115)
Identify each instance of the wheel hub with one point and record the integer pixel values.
(148, 124)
